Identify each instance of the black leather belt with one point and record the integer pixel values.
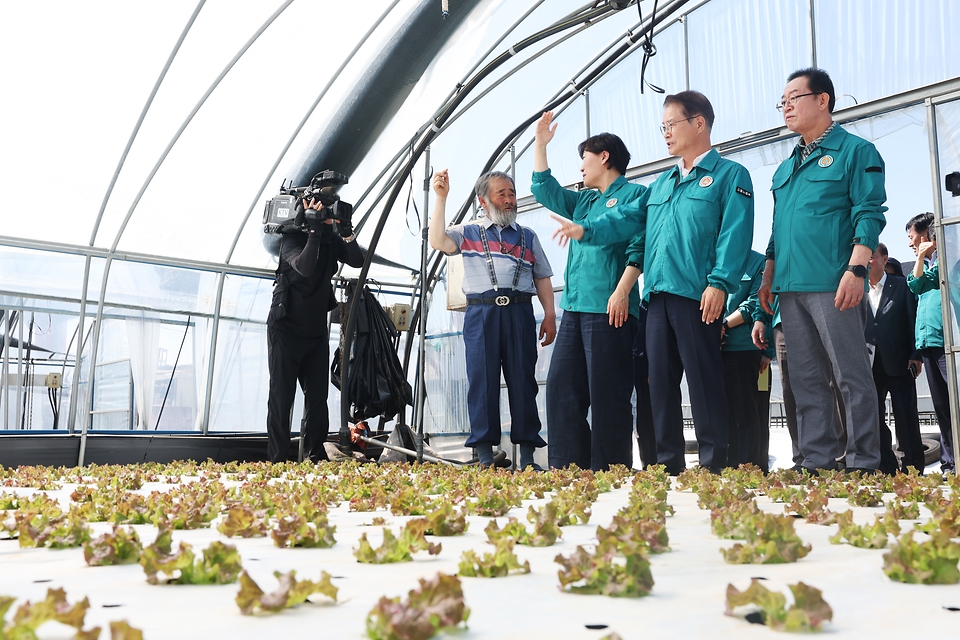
(502, 301)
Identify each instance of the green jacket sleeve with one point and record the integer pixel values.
(868, 194)
(736, 232)
(928, 281)
(550, 194)
(628, 220)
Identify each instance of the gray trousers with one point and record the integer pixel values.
(790, 405)
(820, 337)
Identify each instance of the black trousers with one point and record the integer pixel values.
(903, 397)
(292, 359)
(935, 364)
(678, 341)
(646, 437)
(591, 369)
(741, 371)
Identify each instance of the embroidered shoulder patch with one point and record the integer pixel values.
(706, 181)
(874, 170)
(612, 202)
(825, 161)
(744, 192)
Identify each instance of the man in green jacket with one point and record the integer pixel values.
(695, 229)
(827, 217)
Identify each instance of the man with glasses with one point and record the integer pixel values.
(827, 217)
(699, 227)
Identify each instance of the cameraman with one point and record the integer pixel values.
(297, 342)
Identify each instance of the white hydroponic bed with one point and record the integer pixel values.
(687, 601)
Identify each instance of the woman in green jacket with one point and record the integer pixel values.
(591, 368)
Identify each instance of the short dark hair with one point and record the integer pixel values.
(920, 222)
(482, 188)
(692, 103)
(882, 248)
(612, 144)
(819, 82)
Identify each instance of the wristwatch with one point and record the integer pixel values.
(726, 325)
(858, 270)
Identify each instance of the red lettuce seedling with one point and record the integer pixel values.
(808, 612)
(498, 564)
(396, 549)
(119, 546)
(291, 592)
(437, 604)
(930, 562)
(771, 540)
(866, 536)
(601, 573)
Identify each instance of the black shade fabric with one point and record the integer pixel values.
(377, 385)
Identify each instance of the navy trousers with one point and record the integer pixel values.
(646, 438)
(935, 364)
(292, 358)
(678, 341)
(494, 338)
(591, 369)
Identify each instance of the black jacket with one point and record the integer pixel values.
(891, 329)
(303, 292)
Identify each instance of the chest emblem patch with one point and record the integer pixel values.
(706, 181)
(612, 202)
(825, 161)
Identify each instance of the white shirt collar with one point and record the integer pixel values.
(683, 171)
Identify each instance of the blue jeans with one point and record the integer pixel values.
(591, 369)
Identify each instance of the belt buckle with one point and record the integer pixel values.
(502, 301)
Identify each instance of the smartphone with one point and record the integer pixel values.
(913, 370)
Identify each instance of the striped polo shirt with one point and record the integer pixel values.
(505, 247)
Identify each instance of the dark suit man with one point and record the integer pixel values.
(891, 318)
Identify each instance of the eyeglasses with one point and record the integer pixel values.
(670, 125)
(792, 100)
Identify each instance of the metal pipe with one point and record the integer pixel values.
(944, 279)
(19, 423)
(586, 109)
(75, 384)
(813, 34)
(5, 385)
(208, 396)
(422, 323)
(420, 456)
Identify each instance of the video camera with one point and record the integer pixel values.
(285, 213)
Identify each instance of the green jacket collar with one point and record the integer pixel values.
(707, 164)
(616, 184)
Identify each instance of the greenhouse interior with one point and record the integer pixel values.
(135, 298)
(134, 312)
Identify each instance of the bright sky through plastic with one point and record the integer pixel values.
(75, 77)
